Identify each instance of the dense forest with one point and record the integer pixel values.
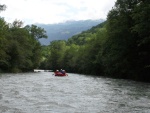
(118, 47)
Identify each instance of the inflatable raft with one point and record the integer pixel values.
(60, 74)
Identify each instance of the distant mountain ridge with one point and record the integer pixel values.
(63, 31)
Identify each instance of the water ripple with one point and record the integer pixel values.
(44, 93)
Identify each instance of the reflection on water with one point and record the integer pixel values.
(44, 93)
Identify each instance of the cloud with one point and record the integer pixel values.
(54, 11)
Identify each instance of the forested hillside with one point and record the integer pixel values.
(117, 48)
(63, 31)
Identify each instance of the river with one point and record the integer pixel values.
(44, 93)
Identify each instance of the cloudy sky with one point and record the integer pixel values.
(55, 11)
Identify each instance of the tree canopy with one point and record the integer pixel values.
(20, 50)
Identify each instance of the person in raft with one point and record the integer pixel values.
(63, 72)
(57, 72)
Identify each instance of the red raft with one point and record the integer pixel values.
(60, 74)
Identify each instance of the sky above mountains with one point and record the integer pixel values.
(55, 11)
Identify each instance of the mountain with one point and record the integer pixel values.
(63, 31)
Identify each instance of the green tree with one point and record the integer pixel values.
(57, 50)
(141, 30)
(70, 58)
(127, 27)
(119, 50)
(19, 48)
(36, 33)
(4, 31)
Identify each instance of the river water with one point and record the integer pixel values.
(44, 93)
